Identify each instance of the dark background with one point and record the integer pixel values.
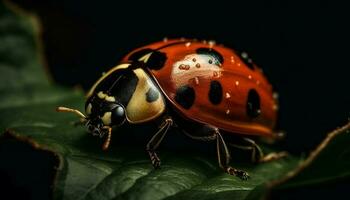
(302, 48)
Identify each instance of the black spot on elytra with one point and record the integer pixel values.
(215, 92)
(152, 95)
(138, 54)
(253, 104)
(246, 59)
(212, 53)
(157, 60)
(185, 96)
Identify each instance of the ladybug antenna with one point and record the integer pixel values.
(64, 109)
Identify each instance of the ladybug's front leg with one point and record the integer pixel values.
(156, 140)
(224, 158)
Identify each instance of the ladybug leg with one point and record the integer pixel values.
(156, 140)
(264, 158)
(209, 133)
(108, 139)
(255, 148)
(224, 158)
(251, 146)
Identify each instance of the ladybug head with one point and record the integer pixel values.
(102, 114)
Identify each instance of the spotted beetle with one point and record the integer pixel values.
(203, 88)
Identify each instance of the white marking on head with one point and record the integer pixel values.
(101, 95)
(110, 98)
(104, 96)
(88, 109)
(106, 118)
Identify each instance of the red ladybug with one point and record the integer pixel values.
(210, 91)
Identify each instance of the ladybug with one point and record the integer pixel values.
(208, 91)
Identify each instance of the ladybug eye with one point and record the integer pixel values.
(118, 115)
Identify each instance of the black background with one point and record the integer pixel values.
(302, 48)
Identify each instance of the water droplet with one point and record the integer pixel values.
(188, 44)
(250, 76)
(232, 59)
(227, 111)
(184, 67)
(275, 95)
(198, 65)
(194, 59)
(244, 55)
(165, 39)
(238, 64)
(211, 43)
(237, 83)
(196, 80)
(275, 107)
(227, 95)
(215, 74)
(210, 62)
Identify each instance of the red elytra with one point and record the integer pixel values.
(211, 84)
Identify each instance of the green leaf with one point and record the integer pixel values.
(20, 56)
(84, 171)
(327, 163)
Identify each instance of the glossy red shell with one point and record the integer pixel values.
(185, 66)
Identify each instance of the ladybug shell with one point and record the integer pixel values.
(211, 84)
